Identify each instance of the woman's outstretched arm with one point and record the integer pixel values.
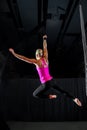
(23, 58)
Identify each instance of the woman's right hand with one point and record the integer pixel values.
(11, 50)
(45, 37)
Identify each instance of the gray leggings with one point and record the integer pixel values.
(43, 88)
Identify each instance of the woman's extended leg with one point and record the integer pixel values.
(76, 100)
(68, 94)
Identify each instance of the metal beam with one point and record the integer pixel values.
(84, 43)
(68, 16)
(71, 15)
(17, 12)
(14, 10)
(64, 21)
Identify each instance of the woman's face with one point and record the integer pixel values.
(39, 53)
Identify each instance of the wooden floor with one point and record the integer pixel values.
(47, 125)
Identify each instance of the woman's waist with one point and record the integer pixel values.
(45, 79)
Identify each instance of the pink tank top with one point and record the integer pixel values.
(43, 72)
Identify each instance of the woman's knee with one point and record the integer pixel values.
(35, 95)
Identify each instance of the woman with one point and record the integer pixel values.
(42, 66)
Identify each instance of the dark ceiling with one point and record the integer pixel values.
(24, 22)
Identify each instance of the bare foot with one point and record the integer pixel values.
(78, 102)
(52, 96)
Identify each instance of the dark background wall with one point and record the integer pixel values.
(22, 25)
(17, 102)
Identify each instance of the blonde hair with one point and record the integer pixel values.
(38, 51)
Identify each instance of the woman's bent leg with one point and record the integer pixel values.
(40, 92)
